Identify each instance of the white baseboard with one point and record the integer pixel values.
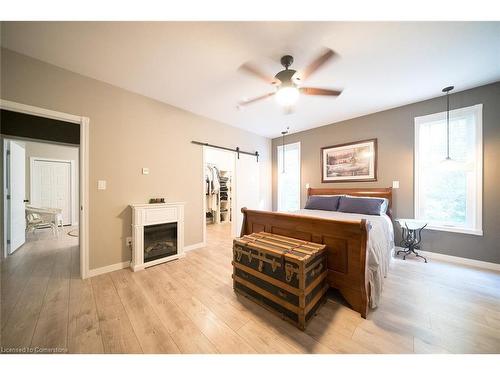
(194, 246)
(110, 268)
(121, 265)
(459, 260)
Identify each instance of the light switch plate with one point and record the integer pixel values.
(395, 184)
(101, 185)
(307, 186)
(145, 170)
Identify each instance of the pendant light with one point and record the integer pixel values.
(283, 133)
(448, 163)
(447, 91)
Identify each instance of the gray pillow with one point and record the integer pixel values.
(365, 206)
(325, 203)
(383, 208)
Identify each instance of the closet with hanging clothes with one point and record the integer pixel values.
(217, 194)
(225, 195)
(212, 193)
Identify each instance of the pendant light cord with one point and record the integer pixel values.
(283, 147)
(447, 91)
(283, 133)
(448, 125)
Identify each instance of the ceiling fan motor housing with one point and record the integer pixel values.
(286, 61)
(285, 78)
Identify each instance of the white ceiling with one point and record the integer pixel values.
(194, 65)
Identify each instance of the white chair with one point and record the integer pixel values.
(36, 221)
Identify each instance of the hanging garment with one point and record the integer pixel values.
(211, 202)
(215, 180)
(212, 178)
(208, 180)
(212, 188)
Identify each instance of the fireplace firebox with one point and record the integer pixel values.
(160, 241)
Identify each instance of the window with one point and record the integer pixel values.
(289, 177)
(448, 194)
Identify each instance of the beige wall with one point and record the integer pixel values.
(128, 132)
(394, 130)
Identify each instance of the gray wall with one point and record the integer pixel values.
(394, 130)
(127, 132)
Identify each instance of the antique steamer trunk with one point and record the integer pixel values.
(285, 275)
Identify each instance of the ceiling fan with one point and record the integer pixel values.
(287, 82)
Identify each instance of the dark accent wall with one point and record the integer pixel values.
(394, 130)
(35, 127)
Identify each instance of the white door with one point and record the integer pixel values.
(51, 186)
(247, 187)
(16, 193)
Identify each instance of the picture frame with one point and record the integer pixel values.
(350, 162)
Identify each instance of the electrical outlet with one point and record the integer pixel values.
(128, 241)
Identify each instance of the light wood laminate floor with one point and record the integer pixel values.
(188, 306)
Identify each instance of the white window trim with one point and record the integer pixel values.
(478, 109)
(278, 150)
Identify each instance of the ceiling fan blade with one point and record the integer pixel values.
(251, 69)
(256, 99)
(317, 91)
(317, 63)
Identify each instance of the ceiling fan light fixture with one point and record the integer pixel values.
(287, 96)
(288, 84)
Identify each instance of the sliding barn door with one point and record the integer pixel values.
(247, 187)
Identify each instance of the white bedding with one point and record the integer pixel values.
(380, 245)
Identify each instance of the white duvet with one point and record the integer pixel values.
(380, 245)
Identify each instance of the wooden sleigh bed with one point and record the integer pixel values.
(346, 241)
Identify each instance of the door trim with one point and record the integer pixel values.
(72, 186)
(83, 169)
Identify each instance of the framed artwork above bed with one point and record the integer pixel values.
(349, 162)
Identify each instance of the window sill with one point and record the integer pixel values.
(475, 232)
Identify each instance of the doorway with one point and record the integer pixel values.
(24, 126)
(40, 195)
(219, 197)
(240, 177)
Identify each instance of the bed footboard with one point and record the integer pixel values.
(345, 242)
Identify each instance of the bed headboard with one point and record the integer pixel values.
(359, 192)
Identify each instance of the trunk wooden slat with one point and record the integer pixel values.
(285, 275)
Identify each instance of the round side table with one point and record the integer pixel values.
(411, 232)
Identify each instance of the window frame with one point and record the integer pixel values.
(279, 152)
(478, 214)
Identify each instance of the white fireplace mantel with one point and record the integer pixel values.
(151, 214)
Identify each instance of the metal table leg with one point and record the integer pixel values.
(411, 239)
